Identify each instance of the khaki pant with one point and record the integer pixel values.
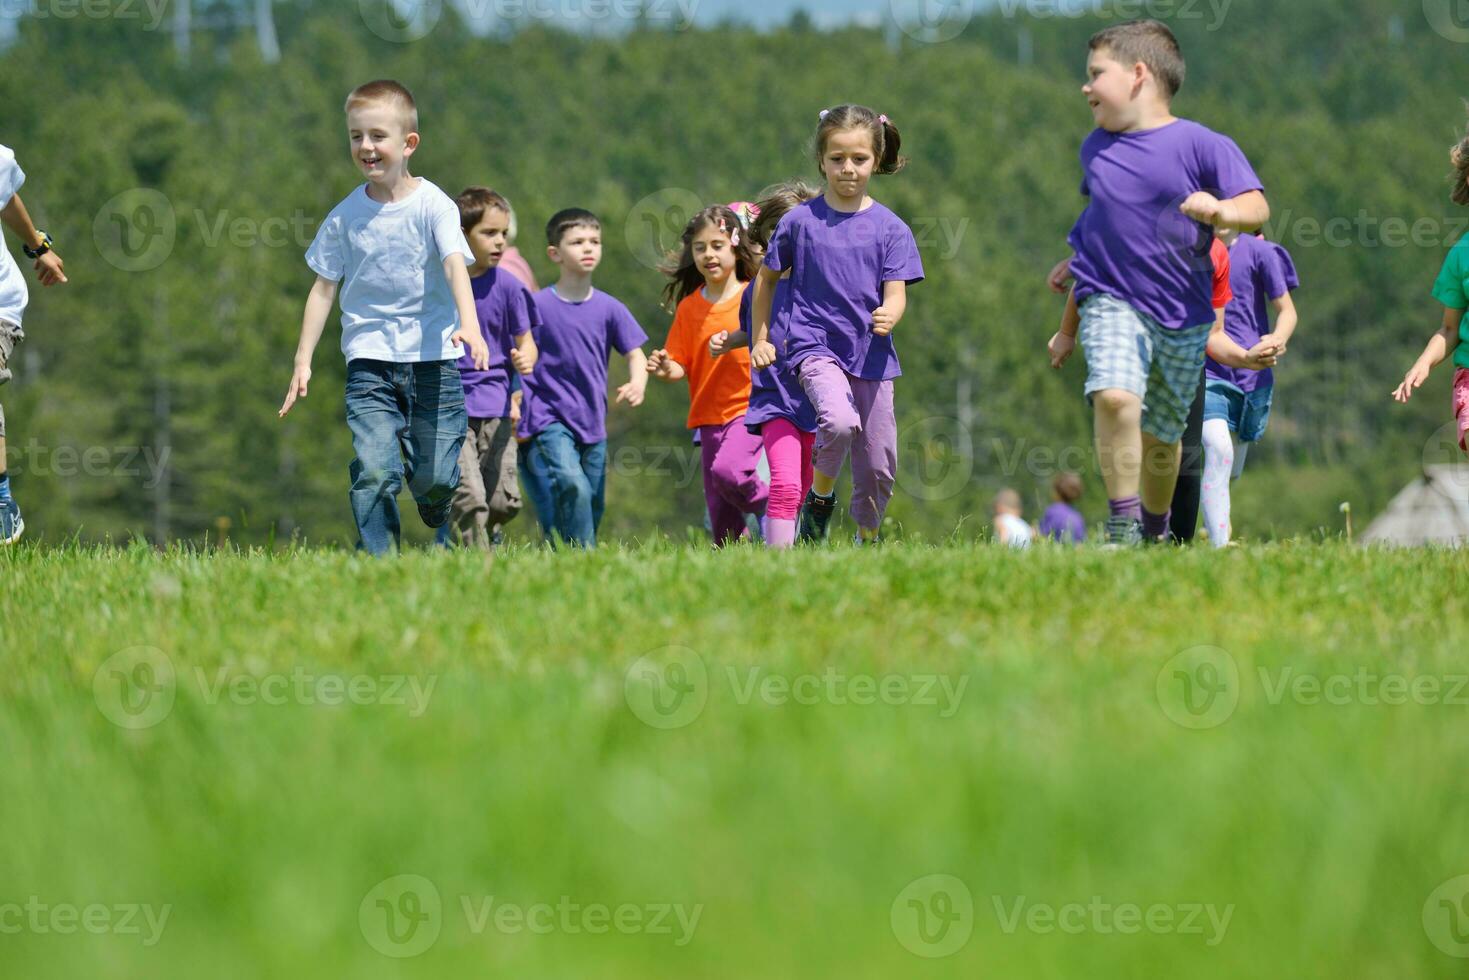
(489, 484)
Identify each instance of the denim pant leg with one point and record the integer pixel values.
(437, 427)
(594, 467)
(377, 414)
(537, 478)
(556, 452)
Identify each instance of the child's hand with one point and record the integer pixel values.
(660, 364)
(632, 393)
(1279, 344)
(1265, 354)
(1412, 381)
(1203, 206)
(50, 269)
(478, 349)
(763, 354)
(515, 400)
(521, 361)
(883, 321)
(300, 379)
(1061, 346)
(719, 344)
(1060, 276)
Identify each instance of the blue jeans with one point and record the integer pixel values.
(566, 480)
(408, 424)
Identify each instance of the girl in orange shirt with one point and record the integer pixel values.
(707, 282)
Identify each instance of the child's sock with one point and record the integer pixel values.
(1155, 525)
(825, 496)
(780, 533)
(5, 488)
(1127, 507)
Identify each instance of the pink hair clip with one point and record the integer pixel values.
(883, 119)
(823, 114)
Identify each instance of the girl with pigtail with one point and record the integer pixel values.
(851, 261)
(705, 284)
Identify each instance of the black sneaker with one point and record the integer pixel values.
(816, 517)
(1123, 532)
(497, 538)
(436, 515)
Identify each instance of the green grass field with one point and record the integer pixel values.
(663, 762)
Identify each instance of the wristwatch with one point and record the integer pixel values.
(46, 245)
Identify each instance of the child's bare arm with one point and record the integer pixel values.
(525, 354)
(1440, 346)
(1060, 275)
(1247, 212)
(1224, 349)
(725, 341)
(894, 305)
(1285, 321)
(762, 351)
(637, 378)
(662, 365)
(49, 267)
(313, 322)
(1064, 342)
(468, 333)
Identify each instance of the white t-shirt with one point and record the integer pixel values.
(13, 291)
(396, 301)
(1019, 531)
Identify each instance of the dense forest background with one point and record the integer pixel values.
(183, 173)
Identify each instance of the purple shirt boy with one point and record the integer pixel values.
(838, 264)
(569, 383)
(1064, 523)
(1259, 272)
(774, 392)
(1131, 241)
(506, 311)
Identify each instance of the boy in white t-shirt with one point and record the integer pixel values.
(13, 297)
(1010, 527)
(396, 247)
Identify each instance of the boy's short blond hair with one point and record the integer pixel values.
(383, 91)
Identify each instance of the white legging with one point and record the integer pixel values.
(1223, 461)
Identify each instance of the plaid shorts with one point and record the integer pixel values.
(10, 335)
(1129, 350)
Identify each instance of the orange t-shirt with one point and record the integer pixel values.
(719, 387)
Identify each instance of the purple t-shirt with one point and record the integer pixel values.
(775, 392)
(569, 383)
(506, 311)
(1259, 272)
(1132, 242)
(839, 263)
(1063, 523)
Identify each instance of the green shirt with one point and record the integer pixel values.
(1452, 290)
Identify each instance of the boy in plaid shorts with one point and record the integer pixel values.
(1157, 186)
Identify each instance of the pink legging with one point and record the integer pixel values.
(788, 451)
(732, 484)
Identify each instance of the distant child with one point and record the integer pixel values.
(1452, 290)
(488, 497)
(396, 247)
(1237, 400)
(779, 409)
(564, 414)
(851, 261)
(706, 283)
(1143, 303)
(14, 295)
(1010, 527)
(1062, 522)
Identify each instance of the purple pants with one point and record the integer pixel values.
(854, 416)
(732, 485)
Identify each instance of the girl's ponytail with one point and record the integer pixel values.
(1460, 157)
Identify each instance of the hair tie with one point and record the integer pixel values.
(823, 114)
(883, 119)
